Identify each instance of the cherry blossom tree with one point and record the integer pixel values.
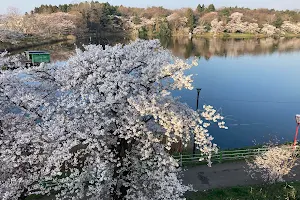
(93, 127)
(8, 62)
(10, 36)
(252, 28)
(44, 25)
(236, 24)
(269, 30)
(13, 20)
(200, 27)
(217, 26)
(177, 22)
(290, 27)
(274, 164)
(56, 23)
(199, 30)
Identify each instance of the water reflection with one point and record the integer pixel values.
(184, 47)
(258, 94)
(60, 51)
(63, 50)
(208, 47)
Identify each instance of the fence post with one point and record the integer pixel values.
(181, 160)
(220, 157)
(249, 153)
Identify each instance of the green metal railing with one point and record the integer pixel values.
(225, 155)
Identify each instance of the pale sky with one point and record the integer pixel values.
(27, 5)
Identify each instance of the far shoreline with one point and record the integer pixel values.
(30, 43)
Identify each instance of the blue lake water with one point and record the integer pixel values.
(258, 95)
(254, 83)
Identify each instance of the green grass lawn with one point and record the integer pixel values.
(242, 35)
(278, 191)
(187, 153)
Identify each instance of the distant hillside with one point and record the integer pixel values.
(95, 17)
(158, 21)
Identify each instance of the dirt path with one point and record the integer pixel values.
(223, 175)
(219, 175)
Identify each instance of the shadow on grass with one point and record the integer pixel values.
(278, 191)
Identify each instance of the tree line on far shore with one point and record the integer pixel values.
(95, 17)
(202, 19)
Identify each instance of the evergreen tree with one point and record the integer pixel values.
(211, 8)
(136, 20)
(200, 8)
(164, 28)
(225, 12)
(278, 22)
(64, 8)
(191, 19)
(143, 33)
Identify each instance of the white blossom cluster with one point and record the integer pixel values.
(290, 27)
(86, 129)
(10, 36)
(217, 26)
(9, 62)
(15, 26)
(269, 30)
(273, 164)
(237, 25)
(252, 28)
(199, 30)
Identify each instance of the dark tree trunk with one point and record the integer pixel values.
(120, 149)
(23, 195)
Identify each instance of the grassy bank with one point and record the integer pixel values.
(278, 191)
(235, 35)
(231, 35)
(30, 42)
(242, 35)
(225, 35)
(189, 151)
(212, 35)
(289, 35)
(223, 155)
